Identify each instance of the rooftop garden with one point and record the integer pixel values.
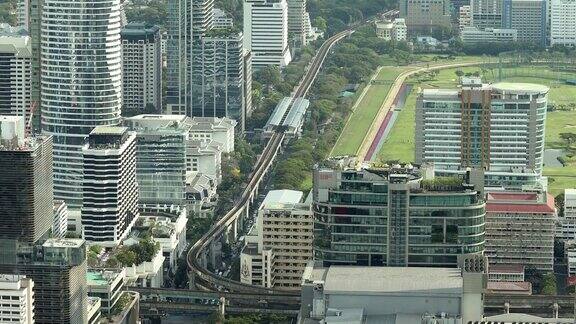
(442, 184)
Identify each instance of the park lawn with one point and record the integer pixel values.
(558, 122)
(560, 178)
(362, 117)
(399, 145)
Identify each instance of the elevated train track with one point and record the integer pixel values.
(203, 277)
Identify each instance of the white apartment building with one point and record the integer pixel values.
(280, 245)
(464, 17)
(392, 30)
(81, 48)
(15, 72)
(562, 22)
(141, 68)
(266, 32)
(110, 203)
(453, 128)
(17, 299)
(567, 224)
(60, 225)
(472, 35)
(400, 30)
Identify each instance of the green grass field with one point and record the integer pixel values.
(400, 142)
(560, 179)
(361, 118)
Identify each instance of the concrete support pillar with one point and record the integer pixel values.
(222, 307)
(191, 280)
(555, 310)
(213, 253)
(507, 308)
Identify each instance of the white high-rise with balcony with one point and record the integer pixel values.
(563, 22)
(81, 82)
(266, 32)
(17, 299)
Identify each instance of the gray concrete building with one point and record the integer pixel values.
(528, 18)
(356, 295)
(141, 69)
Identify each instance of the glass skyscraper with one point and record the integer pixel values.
(81, 82)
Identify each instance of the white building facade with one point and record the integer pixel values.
(17, 295)
(60, 225)
(266, 32)
(15, 73)
(110, 203)
(562, 22)
(81, 82)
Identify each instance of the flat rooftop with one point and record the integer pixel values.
(389, 280)
(275, 197)
(108, 130)
(520, 87)
(502, 202)
(63, 242)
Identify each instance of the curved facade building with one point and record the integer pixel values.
(395, 217)
(81, 82)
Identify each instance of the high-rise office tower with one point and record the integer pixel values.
(220, 88)
(57, 266)
(110, 191)
(424, 15)
(81, 82)
(498, 127)
(15, 72)
(25, 182)
(206, 71)
(528, 17)
(188, 22)
(395, 216)
(486, 13)
(29, 17)
(297, 21)
(266, 32)
(141, 69)
(563, 22)
(16, 291)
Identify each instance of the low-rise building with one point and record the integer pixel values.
(167, 226)
(506, 272)
(107, 285)
(60, 225)
(207, 129)
(148, 273)
(201, 195)
(17, 296)
(396, 295)
(392, 30)
(473, 35)
(204, 157)
(509, 288)
(280, 244)
(520, 229)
